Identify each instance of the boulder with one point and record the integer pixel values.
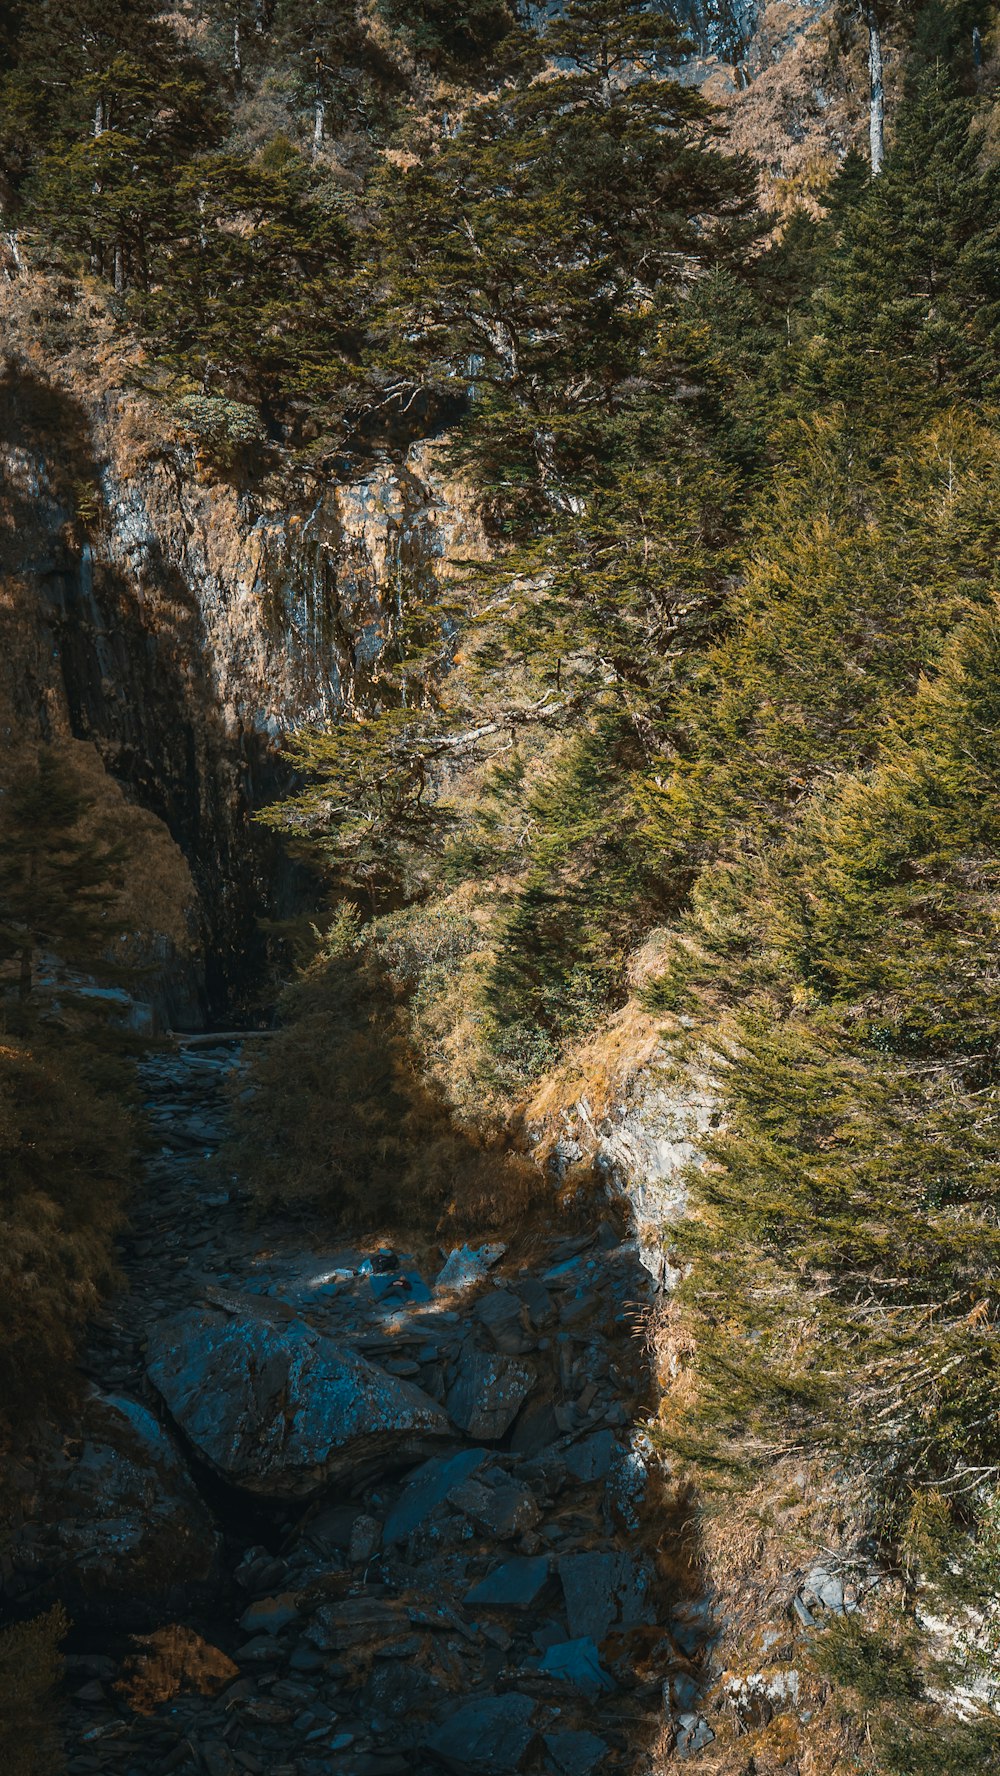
(488, 1737)
(592, 1458)
(269, 1615)
(503, 1315)
(117, 1529)
(604, 1591)
(502, 1511)
(576, 1754)
(488, 1393)
(428, 1488)
(466, 1266)
(576, 1662)
(517, 1584)
(278, 1408)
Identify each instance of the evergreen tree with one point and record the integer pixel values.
(110, 107)
(258, 298)
(915, 310)
(58, 880)
(450, 32)
(322, 41)
(521, 252)
(848, 1214)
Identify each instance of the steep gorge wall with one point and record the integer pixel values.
(182, 622)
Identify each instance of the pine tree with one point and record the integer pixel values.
(58, 880)
(522, 251)
(110, 107)
(916, 311)
(847, 1217)
(322, 41)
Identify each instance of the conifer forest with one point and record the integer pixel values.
(499, 887)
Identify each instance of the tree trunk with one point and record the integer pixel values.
(237, 51)
(119, 268)
(319, 122)
(99, 118)
(876, 119)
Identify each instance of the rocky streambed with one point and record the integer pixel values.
(327, 1512)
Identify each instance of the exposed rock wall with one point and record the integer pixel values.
(181, 621)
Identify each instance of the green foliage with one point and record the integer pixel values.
(845, 1243)
(59, 878)
(260, 287)
(342, 1119)
(914, 313)
(222, 426)
(521, 253)
(881, 1681)
(30, 1668)
(444, 31)
(857, 574)
(65, 1153)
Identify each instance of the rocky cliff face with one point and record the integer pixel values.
(181, 621)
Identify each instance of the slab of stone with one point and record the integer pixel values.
(490, 1736)
(278, 1408)
(605, 1591)
(537, 1300)
(503, 1316)
(428, 1488)
(356, 1620)
(502, 1511)
(592, 1457)
(488, 1393)
(268, 1615)
(466, 1266)
(517, 1584)
(577, 1663)
(576, 1754)
(693, 1734)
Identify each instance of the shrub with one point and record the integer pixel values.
(30, 1668)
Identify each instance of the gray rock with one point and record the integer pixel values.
(501, 1313)
(353, 1621)
(116, 1526)
(269, 1615)
(629, 1478)
(278, 1408)
(693, 1734)
(488, 1393)
(681, 1692)
(604, 1591)
(428, 1488)
(576, 1754)
(488, 1737)
(537, 1300)
(366, 1533)
(576, 1662)
(517, 1584)
(466, 1266)
(825, 1588)
(591, 1459)
(501, 1511)
(218, 1761)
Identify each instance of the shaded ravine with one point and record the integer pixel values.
(475, 1583)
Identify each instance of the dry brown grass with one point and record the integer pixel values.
(174, 1661)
